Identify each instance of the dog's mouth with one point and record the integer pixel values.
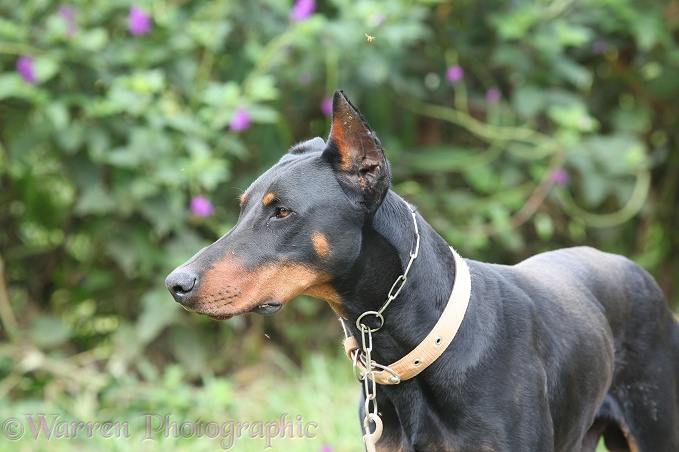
(268, 308)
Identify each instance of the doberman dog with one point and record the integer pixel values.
(552, 353)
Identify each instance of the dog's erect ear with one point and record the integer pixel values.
(356, 155)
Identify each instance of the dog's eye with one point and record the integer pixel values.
(282, 212)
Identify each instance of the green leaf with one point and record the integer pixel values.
(146, 82)
(211, 34)
(633, 119)
(512, 56)
(58, 114)
(262, 88)
(572, 34)
(91, 39)
(620, 154)
(188, 349)
(444, 159)
(48, 331)
(221, 94)
(374, 68)
(165, 211)
(517, 23)
(158, 311)
(263, 114)
(9, 30)
(595, 188)
(482, 179)
(71, 138)
(574, 116)
(573, 72)
(12, 85)
(544, 226)
(648, 28)
(577, 230)
(95, 200)
(529, 100)
(45, 68)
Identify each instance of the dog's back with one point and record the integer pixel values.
(642, 404)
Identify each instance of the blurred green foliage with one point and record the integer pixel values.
(558, 127)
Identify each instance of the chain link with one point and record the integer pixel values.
(369, 384)
(401, 280)
(368, 378)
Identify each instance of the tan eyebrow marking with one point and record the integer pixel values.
(243, 196)
(321, 245)
(268, 198)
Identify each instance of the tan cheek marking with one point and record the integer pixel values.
(242, 197)
(268, 198)
(326, 292)
(321, 245)
(228, 289)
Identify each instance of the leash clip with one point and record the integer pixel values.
(370, 439)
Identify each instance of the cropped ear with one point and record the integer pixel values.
(356, 156)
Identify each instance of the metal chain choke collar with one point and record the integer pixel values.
(368, 379)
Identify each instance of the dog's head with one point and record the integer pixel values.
(299, 226)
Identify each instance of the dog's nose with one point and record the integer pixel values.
(180, 283)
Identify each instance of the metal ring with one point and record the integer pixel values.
(362, 326)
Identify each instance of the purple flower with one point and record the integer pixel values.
(241, 120)
(454, 74)
(302, 10)
(559, 177)
(327, 448)
(201, 206)
(68, 15)
(493, 95)
(139, 23)
(326, 106)
(25, 69)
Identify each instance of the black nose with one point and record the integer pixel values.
(180, 283)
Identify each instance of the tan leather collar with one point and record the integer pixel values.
(438, 339)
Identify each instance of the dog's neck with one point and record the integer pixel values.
(386, 246)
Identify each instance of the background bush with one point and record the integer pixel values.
(513, 127)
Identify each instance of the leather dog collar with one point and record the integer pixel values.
(438, 339)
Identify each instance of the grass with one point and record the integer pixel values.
(273, 406)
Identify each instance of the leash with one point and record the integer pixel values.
(422, 356)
